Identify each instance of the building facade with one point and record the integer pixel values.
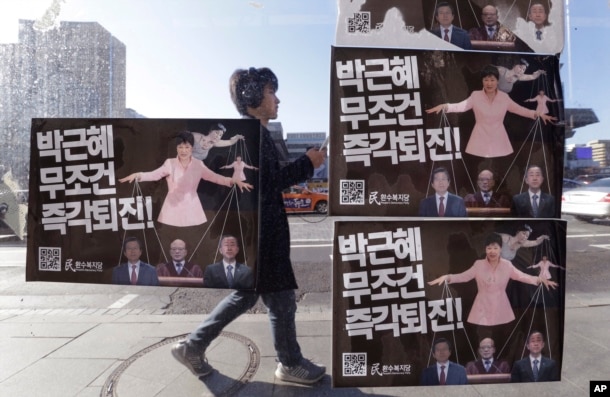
(297, 144)
(600, 152)
(590, 158)
(76, 70)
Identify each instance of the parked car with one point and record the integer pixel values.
(569, 184)
(299, 199)
(588, 202)
(587, 179)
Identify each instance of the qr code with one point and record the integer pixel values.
(352, 191)
(354, 364)
(49, 259)
(359, 23)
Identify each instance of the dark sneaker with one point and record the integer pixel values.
(191, 359)
(306, 372)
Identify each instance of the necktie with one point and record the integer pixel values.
(539, 35)
(491, 32)
(134, 276)
(487, 365)
(442, 379)
(441, 207)
(535, 205)
(179, 268)
(446, 38)
(535, 370)
(486, 198)
(230, 276)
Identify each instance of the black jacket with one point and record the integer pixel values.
(522, 206)
(522, 370)
(274, 269)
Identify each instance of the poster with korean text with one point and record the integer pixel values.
(472, 25)
(474, 296)
(411, 125)
(144, 201)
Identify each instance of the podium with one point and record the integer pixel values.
(191, 282)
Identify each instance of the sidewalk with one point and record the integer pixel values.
(126, 353)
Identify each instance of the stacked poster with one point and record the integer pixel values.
(447, 142)
(391, 304)
(386, 143)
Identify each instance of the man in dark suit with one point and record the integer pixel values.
(178, 266)
(444, 372)
(533, 203)
(539, 16)
(442, 203)
(535, 367)
(228, 273)
(487, 363)
(446, 30)
(486, 197)
(134, 272)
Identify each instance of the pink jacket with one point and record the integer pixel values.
(541, 100)
(489, 137)
(491, 305)
(238, 169)
(182, 206)
(544, 269)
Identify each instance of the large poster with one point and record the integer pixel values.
(502, 25)
(476, 295)
(398, 116)
(173, 197)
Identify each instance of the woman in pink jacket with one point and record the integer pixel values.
(491, 305)
(182, 206)
(541, 99)
(545, 264)
(238, 168)
(489, 137)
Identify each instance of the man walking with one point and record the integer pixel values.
(253, 92)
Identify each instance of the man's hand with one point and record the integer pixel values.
(316, 156)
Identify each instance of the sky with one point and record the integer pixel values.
(585, 72)
(180, 53)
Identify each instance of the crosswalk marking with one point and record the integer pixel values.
(123, 301)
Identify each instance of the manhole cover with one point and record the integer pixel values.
(225, 346)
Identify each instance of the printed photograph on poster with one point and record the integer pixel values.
(473, 25)
(144, 202)
(437, 302)
(479, 133)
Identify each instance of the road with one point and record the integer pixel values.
(588, 257)
(588, 265)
